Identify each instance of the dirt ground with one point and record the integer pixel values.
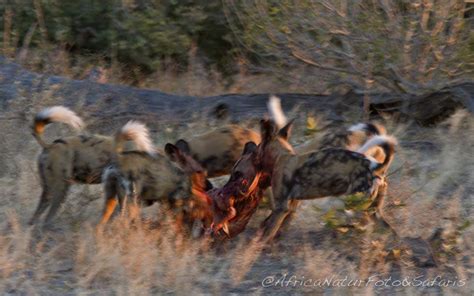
(429, 205)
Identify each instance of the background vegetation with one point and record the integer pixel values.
(401, 46)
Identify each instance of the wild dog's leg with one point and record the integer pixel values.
(377, 195)
(379, 203)
(276, 190)
(122, 200)
(129, 200)
(58, 173)
(272, 224)
(112, 192)
(376, 183)
(57, 199)
(46, 183)
(292, 206)
(134, 208)
(271, 200)
(109, 207)
(110, 189)
(42, 206)
(122, 197)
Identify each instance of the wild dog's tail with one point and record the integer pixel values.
(54, 114)
(369, 128)
(387, 143)
(276, 112)
(136, 132)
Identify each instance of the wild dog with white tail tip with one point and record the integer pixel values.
(144, 176)
(326, 172)
(350, 138)
(74, 159)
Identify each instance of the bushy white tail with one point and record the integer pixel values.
(377, 141)
(276, 112)
(138, 133)
(55, 114)
(387, 143)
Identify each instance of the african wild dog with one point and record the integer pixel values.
(326, 172)
(218, 150)
(145, 176)
(74, 159)
(351, 138)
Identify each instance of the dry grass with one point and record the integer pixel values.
(196, 80)
(431, 187)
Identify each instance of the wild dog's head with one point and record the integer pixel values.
(245, 174)
(192, 168)
(198, 206)
(238, 198)
(244, 181)
(274, 143)
(181, 156)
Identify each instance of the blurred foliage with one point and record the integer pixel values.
(405, 46)
(357, 202)
(332, 219)
(402, 46)
(353, 214)
(140, 33)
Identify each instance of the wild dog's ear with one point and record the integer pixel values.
(186, 162)
(209, 185)
(267, 130)
(183, 146)
(173, 152)
(285, 132)
(249, 148)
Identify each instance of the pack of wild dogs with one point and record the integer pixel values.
(135, 173)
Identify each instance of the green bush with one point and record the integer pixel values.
(139, 33)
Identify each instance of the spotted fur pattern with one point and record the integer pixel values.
(350, 138)
(326, 172)
(147, 178)
(68, 160)
(218, 150)
(235, 209)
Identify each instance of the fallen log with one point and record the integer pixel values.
(24, 92)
